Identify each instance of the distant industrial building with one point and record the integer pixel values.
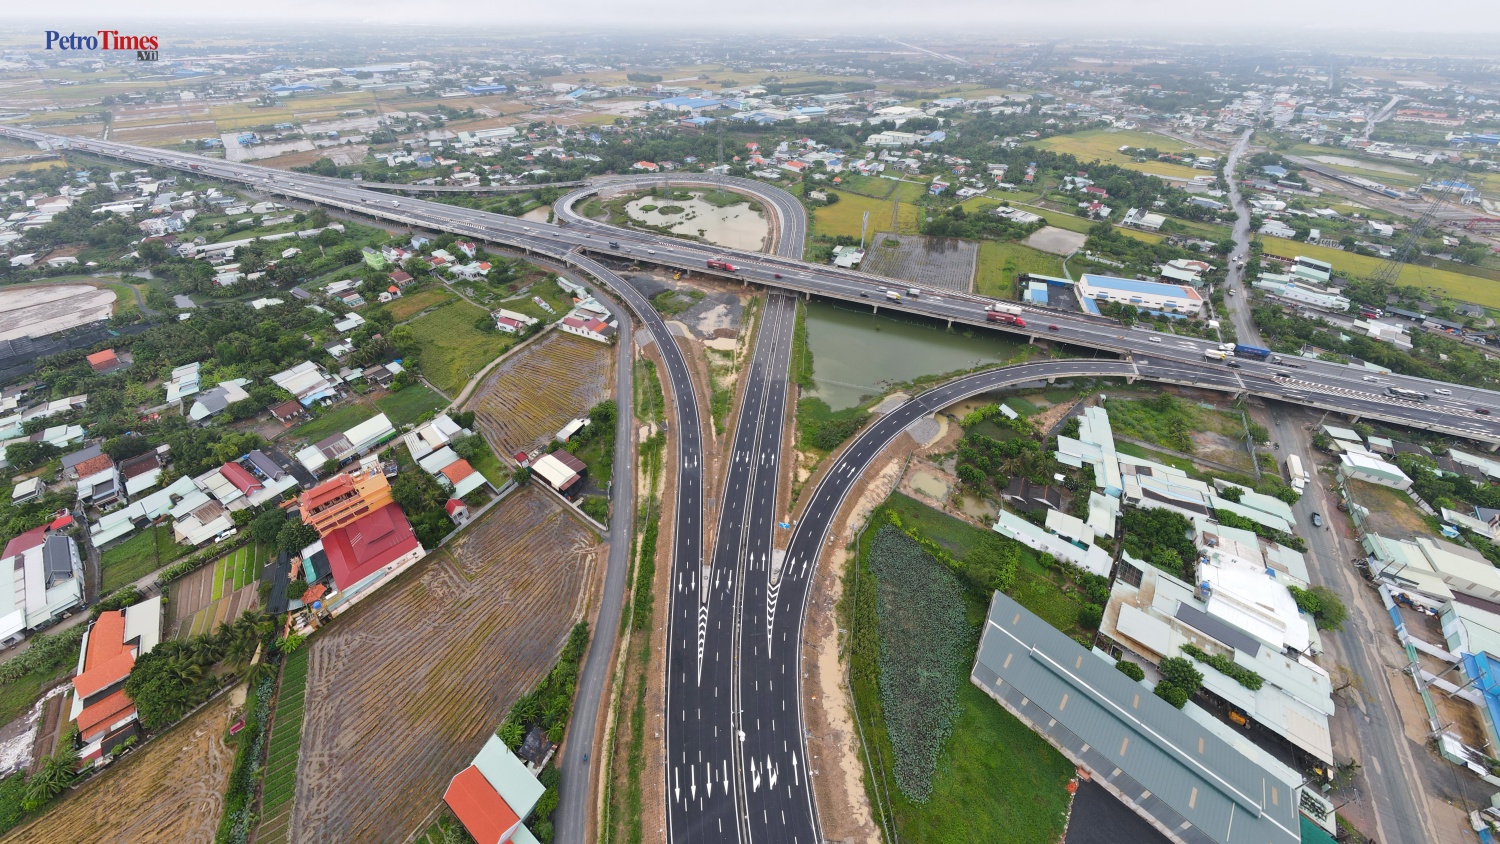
(1146, 295)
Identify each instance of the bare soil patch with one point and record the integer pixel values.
(1055, 240)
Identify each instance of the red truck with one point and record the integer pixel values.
(721, 264)
(1008, 319)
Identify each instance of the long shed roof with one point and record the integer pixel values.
(1174, 769)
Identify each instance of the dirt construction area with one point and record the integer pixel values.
(1055, 240)
(43, 310)
(169, 791)
(528, 398)
(404, 689)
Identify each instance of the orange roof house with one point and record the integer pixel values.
(105, 714)
(480, 808)
(104, 361)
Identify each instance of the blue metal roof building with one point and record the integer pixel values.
(1191, 784)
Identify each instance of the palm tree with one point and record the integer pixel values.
(57, 773)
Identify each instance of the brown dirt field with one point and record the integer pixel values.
(1391, 514)
(405, 689)
(529, 397)
(170, 791)
(171, 133)
(292, 159)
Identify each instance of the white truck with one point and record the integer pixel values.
(1295, 473)
(1214, 354)
(893, 295)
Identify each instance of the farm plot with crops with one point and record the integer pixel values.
(219, 593)
(528, 398)
(169, 791)
(280, 779)
(405, 689)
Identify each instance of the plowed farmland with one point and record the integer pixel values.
(170, 790)
(530, 397)
(403, 690)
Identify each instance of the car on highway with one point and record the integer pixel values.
(1442, 392)
(1052, 328)
(864, 295)
(1372, 379)
(777, 275)
(1317, 520)
(1482, 411)
(1155, 339)
(650, 251)
(1232, 364)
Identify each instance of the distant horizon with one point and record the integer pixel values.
(1342, 21)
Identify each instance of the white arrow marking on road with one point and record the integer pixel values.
(693, 787)
(772, 771)
(676, 786)
(796, 779)
(726, 777)
(708, 779)
(754, 777)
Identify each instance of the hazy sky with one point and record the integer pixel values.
(807, 17)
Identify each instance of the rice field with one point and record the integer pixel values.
(1105, 146)
(410, 684)
(409, 306)
(170, 791)
(1000, 263)
(846, 216)
(453, 350)
(528, 398)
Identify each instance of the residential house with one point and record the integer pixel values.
(142, 472)
(494, 795)
(374, 545)
(215, 401)
(46, 582)
(307, 382)
(98, 482)
(594, 329)
(560, 470)
(108, 361)
(105, 715)
(344, 499)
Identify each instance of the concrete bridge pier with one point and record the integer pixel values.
(1130, 379)
(950, 323)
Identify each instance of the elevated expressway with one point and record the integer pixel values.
(768, 798)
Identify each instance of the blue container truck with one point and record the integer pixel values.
(1243, 351)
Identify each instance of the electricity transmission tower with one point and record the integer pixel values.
(1389, 271)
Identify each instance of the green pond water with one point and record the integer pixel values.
(858, 354)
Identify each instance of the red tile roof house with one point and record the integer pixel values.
(105, 714)
(105, 361)
(288, 411)
(373, 547)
